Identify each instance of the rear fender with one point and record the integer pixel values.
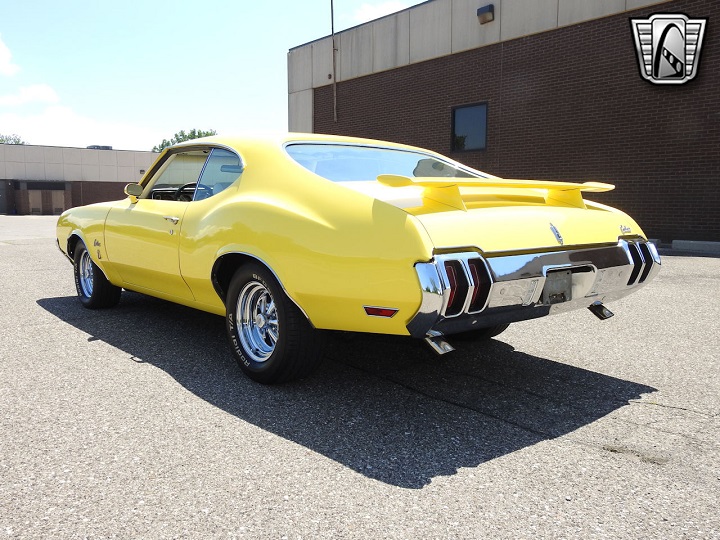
(225, 267)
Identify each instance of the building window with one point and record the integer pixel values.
(469, 127)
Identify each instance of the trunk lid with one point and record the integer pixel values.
(521, 228)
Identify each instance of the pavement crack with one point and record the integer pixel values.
(672, 407)
(642, 456)
(460, 404)
(539, 395)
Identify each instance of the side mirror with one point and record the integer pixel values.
(133, 191)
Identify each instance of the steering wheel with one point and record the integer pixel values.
(180, 196)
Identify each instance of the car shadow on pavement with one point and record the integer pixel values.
(383, 406)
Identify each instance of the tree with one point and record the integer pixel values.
(459, 142)
(11, 139)
(181, 136)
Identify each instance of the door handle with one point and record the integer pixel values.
(174, 220)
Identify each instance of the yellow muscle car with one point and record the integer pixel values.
(286, 236)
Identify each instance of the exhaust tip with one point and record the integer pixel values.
(600, 311)
(438, 344)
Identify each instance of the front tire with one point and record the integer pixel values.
(93, 288)
(270, 337)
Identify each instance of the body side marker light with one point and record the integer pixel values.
(386, 312)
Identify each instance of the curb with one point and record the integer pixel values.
(696, 246)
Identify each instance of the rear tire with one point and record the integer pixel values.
(93, 288)
(481, 334)
(270, 337)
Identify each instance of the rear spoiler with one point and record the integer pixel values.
(447, 190)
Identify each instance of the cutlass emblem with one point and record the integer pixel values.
(557, 234)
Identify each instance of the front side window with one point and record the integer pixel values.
(176, 178)
(469, 128)
(351, 163)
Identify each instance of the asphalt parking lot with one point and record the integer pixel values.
(136, 423)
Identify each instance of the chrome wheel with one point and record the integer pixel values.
(93, 288)
(271, 339)
(257, 321)
(86, 274)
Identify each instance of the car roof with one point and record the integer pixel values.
(276, 140)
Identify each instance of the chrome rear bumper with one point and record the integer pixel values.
(464, 291)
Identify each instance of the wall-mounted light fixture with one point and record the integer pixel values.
(486, 14)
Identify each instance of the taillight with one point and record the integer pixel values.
(481, 285)
(458, 283)
(637, 263)
(649, 262)
(466, 283)
(452, 279)
(476, 281)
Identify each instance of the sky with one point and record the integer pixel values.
(131, 73)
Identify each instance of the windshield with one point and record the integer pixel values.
(351, 163)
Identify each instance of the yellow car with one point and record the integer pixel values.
(286, 236)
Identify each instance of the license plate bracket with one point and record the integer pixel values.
(558, 287)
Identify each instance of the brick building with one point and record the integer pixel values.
(555, 87)
(50, 179)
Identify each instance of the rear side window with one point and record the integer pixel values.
(351, 163)
(221, 170)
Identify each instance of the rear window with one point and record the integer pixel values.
(352, 163)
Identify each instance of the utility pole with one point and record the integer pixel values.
(334, 59)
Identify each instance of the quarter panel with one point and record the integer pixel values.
(333, 249)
